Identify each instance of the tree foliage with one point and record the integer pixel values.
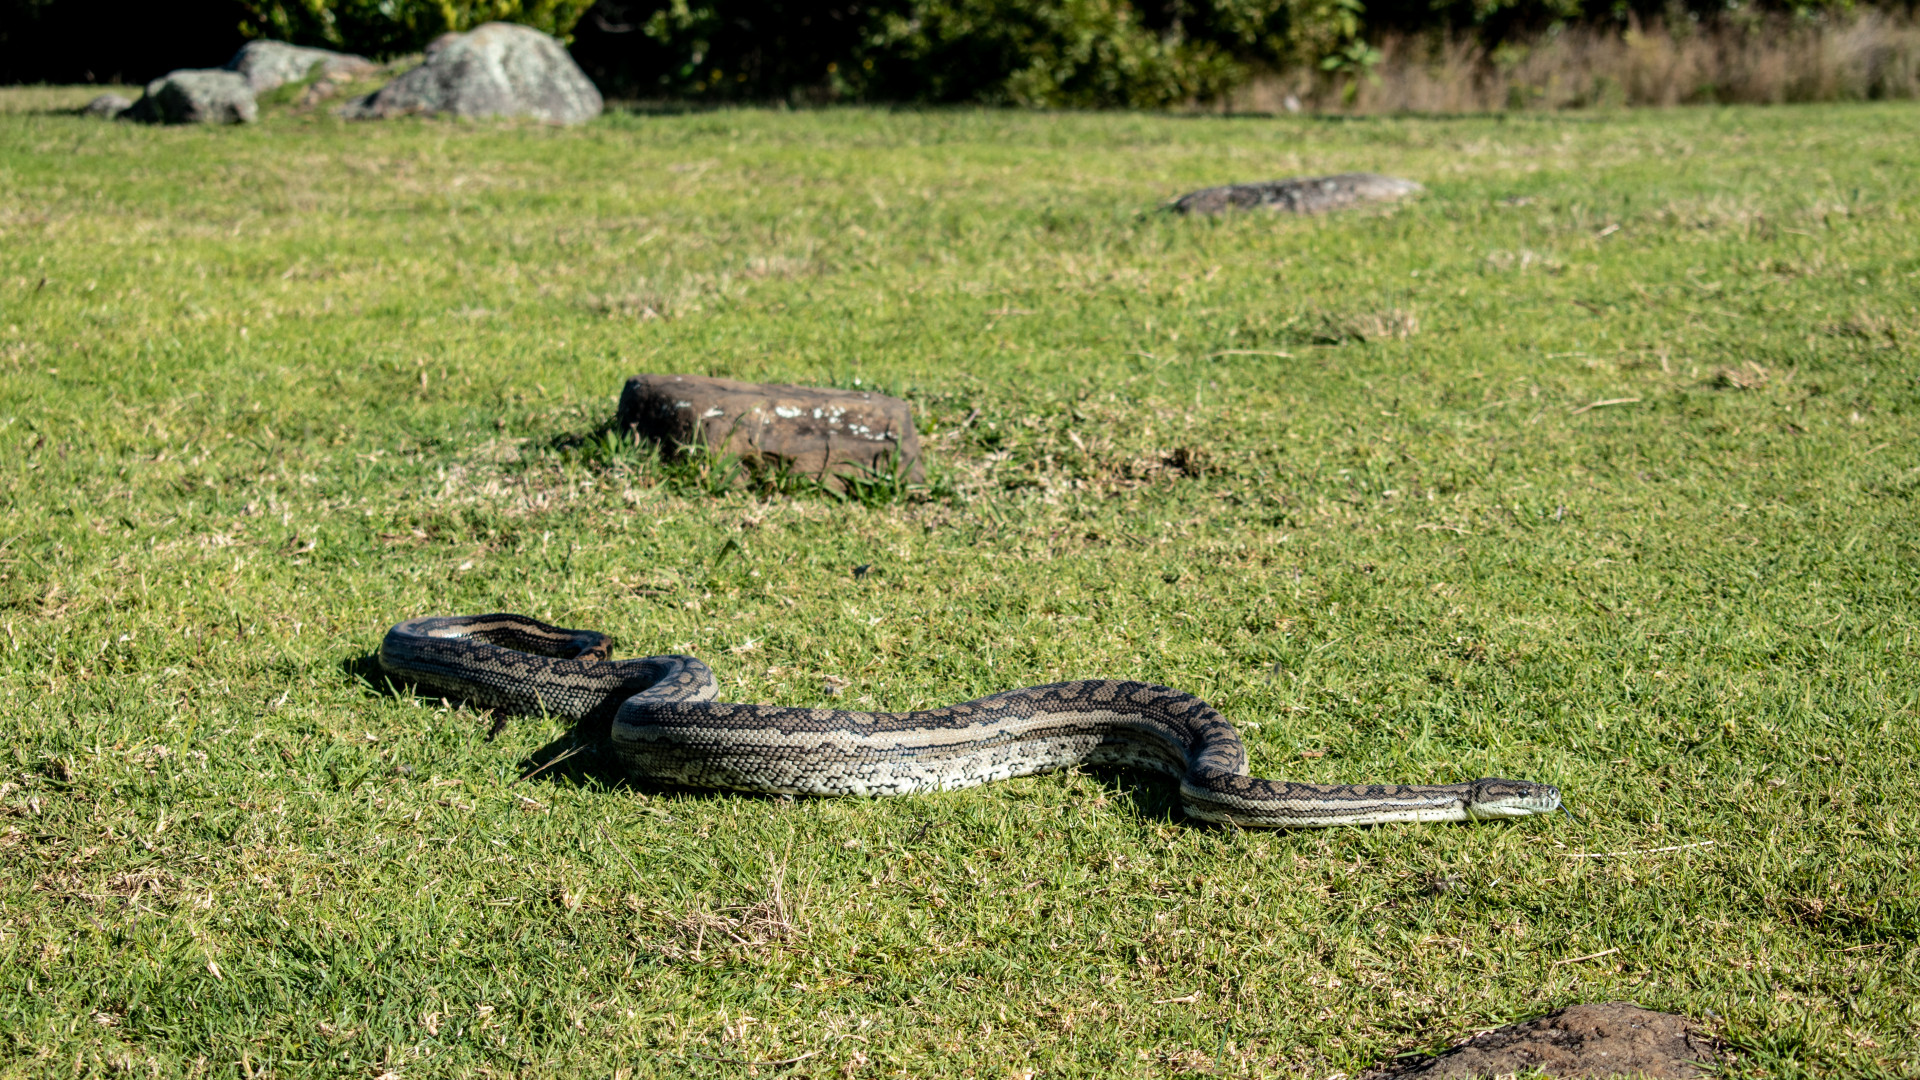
(385, 28)
(1055, 53)
(1061, 53)
(1030, 52)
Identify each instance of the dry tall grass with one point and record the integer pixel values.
(1870, 55)
(39, 98)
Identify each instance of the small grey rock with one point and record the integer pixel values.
(270, 64)
(823, 434)
(1300, 195)
(106, 106)
(196, 96)
(496, 69)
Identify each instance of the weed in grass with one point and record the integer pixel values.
(887, 480)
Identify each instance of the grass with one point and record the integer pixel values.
(1597, 465)
(1867, 55)
(18, 100)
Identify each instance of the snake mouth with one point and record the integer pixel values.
(1498, 812)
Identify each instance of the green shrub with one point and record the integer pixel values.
(385, 28)
(1061, 53)
(1048, 53)
(1053, 53)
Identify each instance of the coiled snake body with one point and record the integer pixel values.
(668, 728)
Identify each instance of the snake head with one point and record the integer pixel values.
(1496, 798)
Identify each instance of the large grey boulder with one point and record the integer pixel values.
(496, 69)
(1301, 195)
(196, 96)
(270, 64)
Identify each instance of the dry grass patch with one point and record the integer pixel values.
(1868, 55)
(1372, 326)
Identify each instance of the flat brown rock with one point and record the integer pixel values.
(1300, 195)
(1611, 1039)
(819, 433)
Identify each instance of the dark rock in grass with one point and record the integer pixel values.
(196, 96)
(106, 106)
(804, 431)
(1611, 1039)
(1301, 195)
(270, 64)
(496, 69)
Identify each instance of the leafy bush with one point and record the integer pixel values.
(1051, 53)
(1030, 52)
(1055, 52)
(752, 50)
(384, 28)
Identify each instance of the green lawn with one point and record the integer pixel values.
(1597, 466)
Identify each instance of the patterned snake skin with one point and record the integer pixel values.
(668, 728)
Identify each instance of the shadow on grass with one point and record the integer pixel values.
(366, 670)
(1154, 797)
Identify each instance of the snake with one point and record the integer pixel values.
(666, 727)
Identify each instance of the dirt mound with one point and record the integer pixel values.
(1611, 1039)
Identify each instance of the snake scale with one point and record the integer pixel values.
(667, 727)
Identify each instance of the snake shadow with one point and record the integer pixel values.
(377, 682)
(365, 669)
